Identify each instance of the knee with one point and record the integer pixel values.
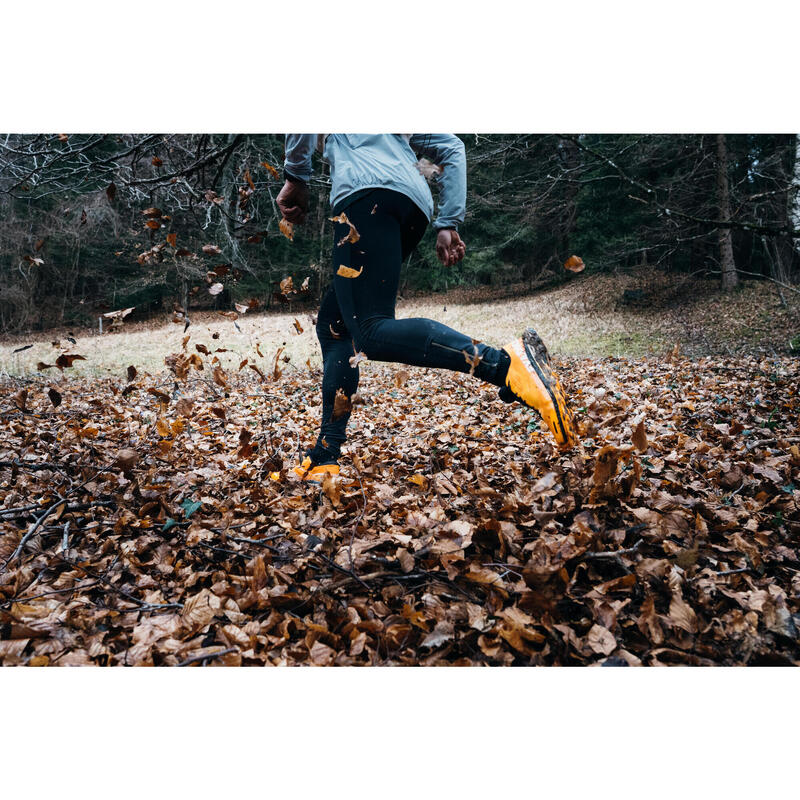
(371, 343)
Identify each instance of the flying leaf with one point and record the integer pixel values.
(215, 288)
(67, 360)
(352, 235)
(287, 229)
(574, 264)
(348, 272)
(111, 192)
(211, 249)
(156, 161)
(172, 239)
(341, 405)
(249, 179)
(131, 373)
(152, 212)
(298, 327)
(269, 168)
(357, 359)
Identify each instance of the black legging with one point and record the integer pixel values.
(358, 314)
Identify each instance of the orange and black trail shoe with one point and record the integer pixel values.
(314, 473)
(531, 380)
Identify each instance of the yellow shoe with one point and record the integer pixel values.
(316, 473)
(532, 380)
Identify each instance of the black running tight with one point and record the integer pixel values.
(358, 313)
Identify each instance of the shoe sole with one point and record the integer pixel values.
(539, 359)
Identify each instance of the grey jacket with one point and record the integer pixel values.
(388, 160)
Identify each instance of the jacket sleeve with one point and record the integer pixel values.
(446, 150)
(299, 147)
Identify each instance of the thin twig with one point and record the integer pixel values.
(207, 656)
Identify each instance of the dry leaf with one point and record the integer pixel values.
(348, 272)
(287, 229)
(574, 264)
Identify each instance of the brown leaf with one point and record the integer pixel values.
(321, 655)
(681, 614)
(287, 229)
(341, 405)
(211, 249)
(66, 360)
(348, 272)
(20, 399)
(132, 373)
(332, 487)
(172, 239)
(639, 438)
(297, 326)
(441, 634)
(218, 374)
(272, 171)
(601, 640)
(126, 459)
(574, 264)
(352, 235)
(55, 397)
(357, 359)
(199, 610)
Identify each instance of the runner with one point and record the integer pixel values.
(383, 205)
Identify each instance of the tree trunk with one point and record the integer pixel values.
(729, 277)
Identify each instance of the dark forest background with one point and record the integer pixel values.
(91, 223)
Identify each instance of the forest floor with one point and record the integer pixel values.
(148, 516)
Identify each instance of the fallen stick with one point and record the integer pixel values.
(615, 554)
(217, 654)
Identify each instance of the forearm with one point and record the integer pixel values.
(299, 147)
(447, 151)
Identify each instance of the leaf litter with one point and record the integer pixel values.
(152, 519)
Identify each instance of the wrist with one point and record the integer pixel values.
(293, 179)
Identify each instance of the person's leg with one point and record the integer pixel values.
(358, 316)
(389, 226)
(337, 350)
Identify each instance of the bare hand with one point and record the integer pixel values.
(292, 201)
(449, 247)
